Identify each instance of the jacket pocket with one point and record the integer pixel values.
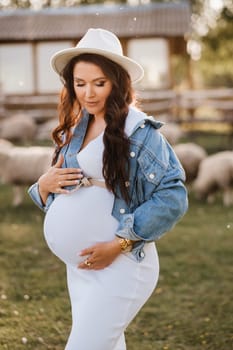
(149, 176)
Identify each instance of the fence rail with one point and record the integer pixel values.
(180, 107)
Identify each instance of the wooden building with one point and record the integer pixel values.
(150, 33)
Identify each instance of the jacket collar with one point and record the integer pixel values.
(136, 119)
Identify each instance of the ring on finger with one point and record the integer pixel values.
(87, 263)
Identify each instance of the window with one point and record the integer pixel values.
(25, 68)
(47, 80)
(16, 68)
(153, 55)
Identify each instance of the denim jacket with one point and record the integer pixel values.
(156, 182)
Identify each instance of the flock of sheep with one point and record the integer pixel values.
(205, 174)
(21, 166)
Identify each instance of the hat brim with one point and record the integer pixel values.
(60, 59)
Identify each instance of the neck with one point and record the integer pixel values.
(97, 122)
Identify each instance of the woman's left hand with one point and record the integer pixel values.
(100, 255)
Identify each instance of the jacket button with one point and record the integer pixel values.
(141, 254)
(122, 210)
(151, 176)
(127, 183)
(132, 154)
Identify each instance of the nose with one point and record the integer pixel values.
(89, 91)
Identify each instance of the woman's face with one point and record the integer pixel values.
(91, 87)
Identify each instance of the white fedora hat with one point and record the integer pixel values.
(102, 42)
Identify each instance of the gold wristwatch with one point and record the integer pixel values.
(125, 244)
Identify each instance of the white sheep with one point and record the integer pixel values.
(44, 130)
(190, 155)
(18, 127)
(5, 144)
(215, 173)
(22, 166)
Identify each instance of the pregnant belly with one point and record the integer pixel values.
(79, 220)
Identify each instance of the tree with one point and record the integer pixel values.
(217, 51)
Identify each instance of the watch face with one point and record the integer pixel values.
(125, 244)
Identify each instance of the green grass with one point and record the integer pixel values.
(211, 142)
(191, 307)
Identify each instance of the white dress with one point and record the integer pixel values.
(103, 301)
(71, 222)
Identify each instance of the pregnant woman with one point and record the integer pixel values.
(114, 187)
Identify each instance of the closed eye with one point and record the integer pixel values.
(101, 83)
(98, 82)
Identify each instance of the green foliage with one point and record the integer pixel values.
(179, 69)
(196, 4)
(216, 61)
(190, 309)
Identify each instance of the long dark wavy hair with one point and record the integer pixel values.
(116, 143)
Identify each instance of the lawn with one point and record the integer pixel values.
(190, 309)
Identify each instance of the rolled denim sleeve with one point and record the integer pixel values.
(160, 213)
(33, 192)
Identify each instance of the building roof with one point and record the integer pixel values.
(154, 19)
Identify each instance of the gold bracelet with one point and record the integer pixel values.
(125, 244)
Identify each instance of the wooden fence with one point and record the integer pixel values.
(180, 107)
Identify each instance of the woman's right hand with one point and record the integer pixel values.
(56, 178)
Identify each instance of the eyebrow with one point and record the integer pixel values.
(80, 79)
